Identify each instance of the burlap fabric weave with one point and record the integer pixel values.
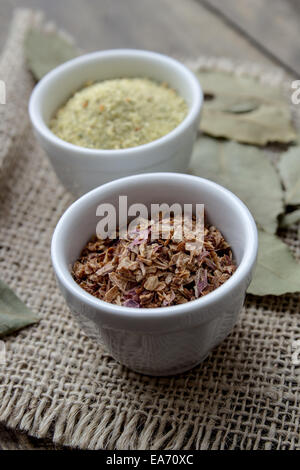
(59, 383)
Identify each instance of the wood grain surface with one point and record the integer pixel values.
(264, 31)
(271, 25)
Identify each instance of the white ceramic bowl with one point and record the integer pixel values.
(167, 340)
(81, 169)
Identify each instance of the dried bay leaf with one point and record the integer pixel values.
(244, 170)
(258, 114)
(289, 169)
(263, 125)
(289, 219)
(242, 107)
(225, 83)
(276, 272)
(14, 314)
(46, 50)
(233, 104)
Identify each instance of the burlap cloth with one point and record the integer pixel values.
(59, 383)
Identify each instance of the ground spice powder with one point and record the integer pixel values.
(119, 113)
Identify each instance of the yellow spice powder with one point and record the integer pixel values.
(119, 113)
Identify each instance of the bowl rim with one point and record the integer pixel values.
(121, 312)
(37, 95)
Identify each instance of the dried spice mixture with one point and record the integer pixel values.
(119, 113)
(137, 271)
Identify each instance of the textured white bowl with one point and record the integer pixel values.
(81, 169)
(168, 340)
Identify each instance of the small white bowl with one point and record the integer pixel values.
(167, 340)
(81, 169)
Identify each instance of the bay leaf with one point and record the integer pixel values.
(263, 125)
(242, 107)
(277, 272)
(232, 103)
(14, 314)
(289, 169)
(244, 170)
(265, 115)
(243, 86)
(289, 219)
(46, 50)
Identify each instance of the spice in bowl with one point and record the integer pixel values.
(137, 271)
(119, 113)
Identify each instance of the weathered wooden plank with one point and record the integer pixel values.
(272, 25)
(15, 440)
(183, 29)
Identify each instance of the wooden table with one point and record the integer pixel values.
(264, 31)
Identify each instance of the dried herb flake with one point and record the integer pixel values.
(154, 273)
